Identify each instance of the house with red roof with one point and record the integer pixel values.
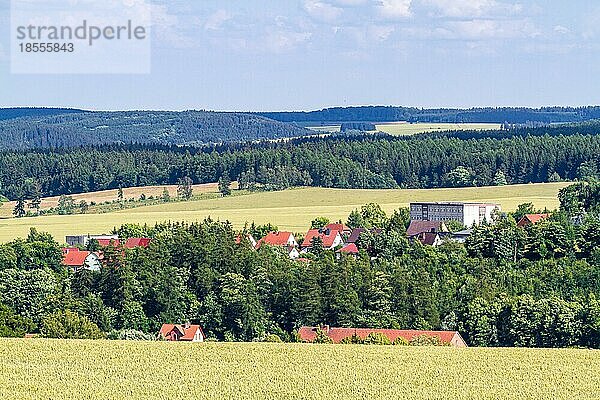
(531, 219)
(349, 249)
(285, 240)
(430, 239)
(182, 333)
(250, 238)
(78, 260)
(340, 227)
(330, 238)
(133, 243)
(451, 338)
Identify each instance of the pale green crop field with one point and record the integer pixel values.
(404, 129)
(290, 210)
(55, 370)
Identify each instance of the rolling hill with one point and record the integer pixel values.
(47, 130)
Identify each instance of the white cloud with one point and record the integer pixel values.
(216, 20)
(480, 29)
(472, 8)
(561, 29)
(395, 9)
(322, 10)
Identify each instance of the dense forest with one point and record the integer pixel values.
(507, 286)
(510, 115)
(178, 128)
(11, 113)
(359, 161)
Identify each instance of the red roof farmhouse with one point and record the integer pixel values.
(531, 219)
(182, 333)
(451, 338)
(78, 260)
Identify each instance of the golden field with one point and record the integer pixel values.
(53, 370)
(292, 209)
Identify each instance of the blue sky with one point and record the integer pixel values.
(309, 54)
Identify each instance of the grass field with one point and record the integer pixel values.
(291, 209)
(404, 128)
(53, 370)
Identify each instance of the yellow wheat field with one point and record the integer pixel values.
(43, 369)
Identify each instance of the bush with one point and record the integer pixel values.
(130, 334)
(354, 339)
(13, 325)
(322, 338)
(400, 341)
(425, 340)
(69, 325)
(272, 338)
(377, 338)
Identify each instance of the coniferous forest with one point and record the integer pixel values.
(452, 159)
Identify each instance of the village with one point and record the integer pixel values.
(428, 225)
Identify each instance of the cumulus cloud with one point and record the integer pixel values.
(216, 20)
(472, 8)
(322, 10)
(395, 9)
(479, 29)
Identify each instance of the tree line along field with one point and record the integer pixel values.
(292, 209)
(54, 369)
(404, 128)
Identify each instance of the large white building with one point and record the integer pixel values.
(468, 214)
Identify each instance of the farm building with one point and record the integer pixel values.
(340, 227)
(182, 333)
(330, 238)
(417, 228)
(78, 260)
(450, 338)
(468, 214)
(531, 219)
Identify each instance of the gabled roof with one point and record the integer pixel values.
(349, 249)
(338, 227)
(73, 258)
(356, 232)
(328, 237)
(132, 243)
(429, 238)
(275, 239)
(418, 227)
(188, 332)
(308, 334)
(532, 219)
(108, 242)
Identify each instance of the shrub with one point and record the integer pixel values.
(400, 341)
(354, 339)
(13, 325)
(130, 334)
(272, 338)
(425, 340)
(69, 325)
(322, 338)
(377, 338)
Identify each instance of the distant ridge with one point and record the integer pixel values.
(18, 112)
(374, 114)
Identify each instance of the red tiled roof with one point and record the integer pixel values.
(308, 334)
(356, 232)
(275, 239)
(108, 242)
(532, 219)
(188, 333)
(132, 243)
(72, 258)
(419, 227)
(349, 249)
(327, 236)
(338, 227)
